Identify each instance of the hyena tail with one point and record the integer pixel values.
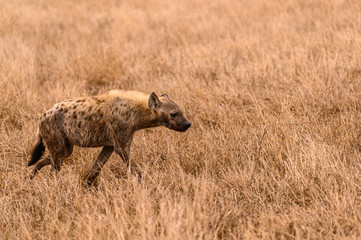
(37, 151)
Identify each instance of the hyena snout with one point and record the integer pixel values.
(187, 125)
(182, 125)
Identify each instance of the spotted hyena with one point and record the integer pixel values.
(109, 121)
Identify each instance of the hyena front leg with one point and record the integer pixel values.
(99, 163)
(124, 153)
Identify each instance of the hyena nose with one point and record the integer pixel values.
(188, 124)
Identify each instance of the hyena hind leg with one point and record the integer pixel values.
(42, 163)
(56, 161)
(57, 158)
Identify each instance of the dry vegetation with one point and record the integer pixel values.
(273, 90)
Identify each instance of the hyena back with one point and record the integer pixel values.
(109, 121)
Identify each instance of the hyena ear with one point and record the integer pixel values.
(165, 96)
(153, 101)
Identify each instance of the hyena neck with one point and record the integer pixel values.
(146, 118)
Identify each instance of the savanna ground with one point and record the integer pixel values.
(273, 90)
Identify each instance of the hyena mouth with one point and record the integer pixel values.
(185, 127)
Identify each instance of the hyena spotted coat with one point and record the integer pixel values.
(109, 121)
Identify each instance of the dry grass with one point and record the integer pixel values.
(273, 90)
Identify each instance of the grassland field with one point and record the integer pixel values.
(272, 89)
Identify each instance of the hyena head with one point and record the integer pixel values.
(169, 114)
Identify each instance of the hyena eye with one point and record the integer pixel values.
(173, 115)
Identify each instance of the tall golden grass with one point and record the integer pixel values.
(272, 89)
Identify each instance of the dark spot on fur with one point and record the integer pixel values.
(98, 101)
(65, 110)
(74, 107)
(126, 115)
(79, 124)
(101, 127)
(93, 116)
(74, 115)
(99, 112)
(80, 100)
(90, 108)
(57, 107)
(82, 113)
(61, 110)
